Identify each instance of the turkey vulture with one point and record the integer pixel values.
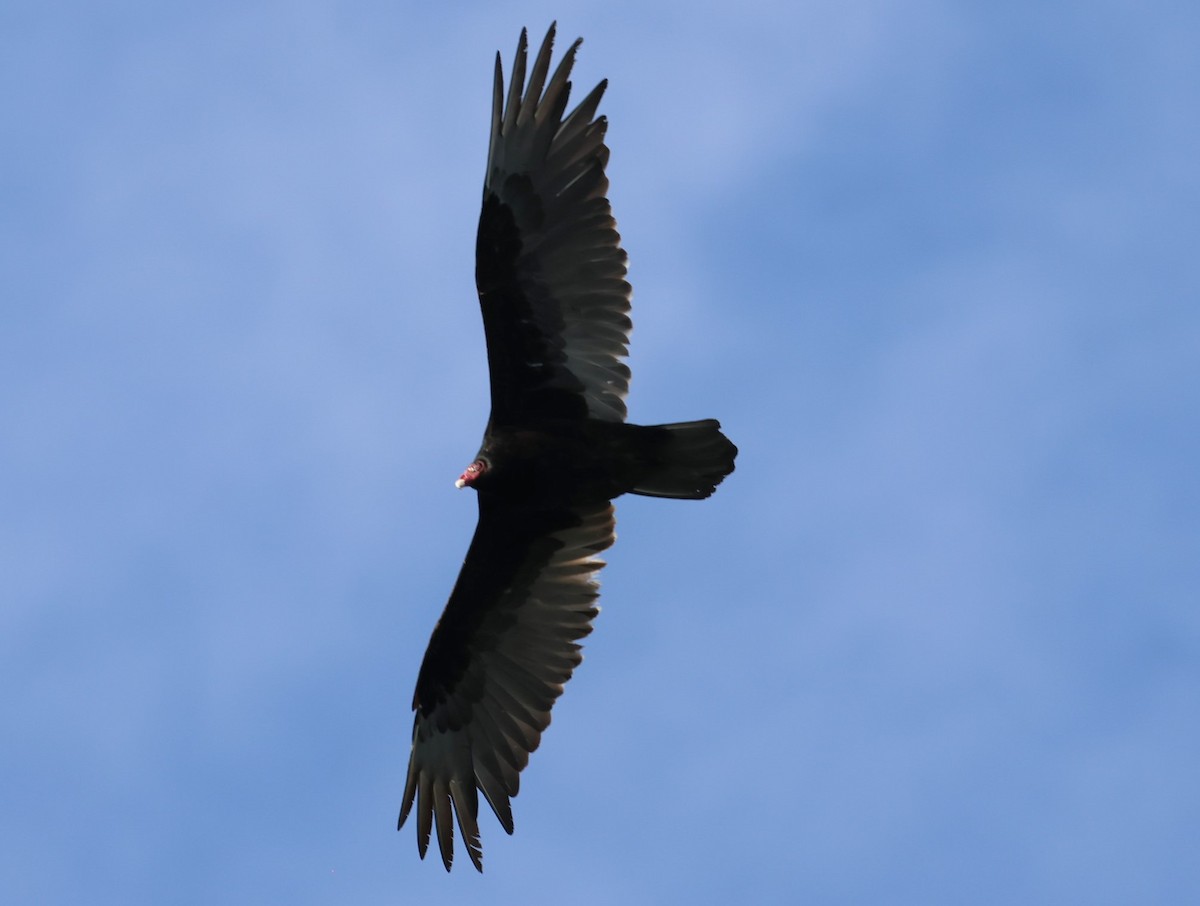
(550, 272)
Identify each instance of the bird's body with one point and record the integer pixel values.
(556, 452)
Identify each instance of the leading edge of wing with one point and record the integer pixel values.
(499, 656)
(550, 269)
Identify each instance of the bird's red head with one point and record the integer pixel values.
(474, 470)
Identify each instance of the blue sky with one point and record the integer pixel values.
(933, 265)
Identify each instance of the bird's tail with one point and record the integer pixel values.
(690, 459)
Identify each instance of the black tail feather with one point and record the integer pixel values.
(691, 459)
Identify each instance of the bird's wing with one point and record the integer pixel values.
(549, 265)
(498, 659)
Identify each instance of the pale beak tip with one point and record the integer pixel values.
(460, 484)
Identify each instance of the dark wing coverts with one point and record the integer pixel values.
(551, 278)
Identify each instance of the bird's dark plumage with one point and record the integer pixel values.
(551, 278)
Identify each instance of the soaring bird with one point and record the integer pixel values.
(557, 450)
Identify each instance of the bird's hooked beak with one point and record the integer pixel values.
(474, 470)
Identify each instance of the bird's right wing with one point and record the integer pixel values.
(499, 656)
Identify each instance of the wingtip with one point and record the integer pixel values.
(476, 854)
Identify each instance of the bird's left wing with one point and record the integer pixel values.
(548, 261)
(499, 656)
